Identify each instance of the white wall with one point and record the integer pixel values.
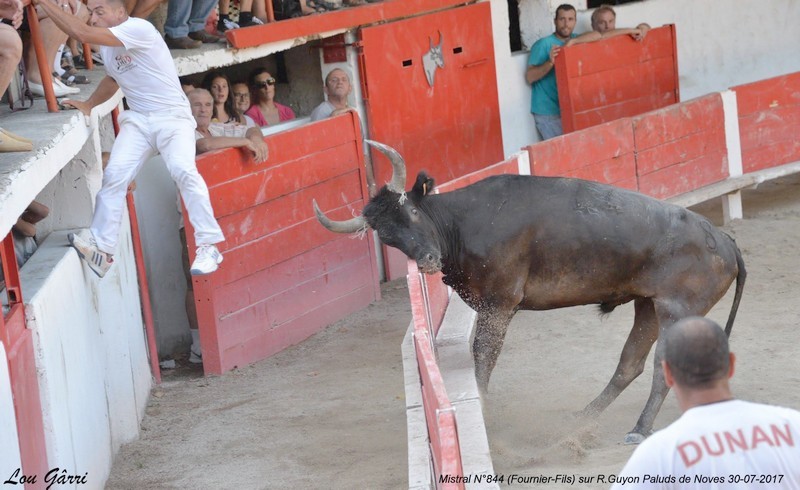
(720, 44)
(90, 352)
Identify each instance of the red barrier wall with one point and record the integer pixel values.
(769, 121)
(681, 148)
(439, 413)
(618, 77)
(284, 276)
(662, 153)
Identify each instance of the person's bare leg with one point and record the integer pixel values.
(52, 38)
(10, 54)
(144, 8)
(260, 9)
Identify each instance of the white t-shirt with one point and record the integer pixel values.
(143, 68)
(322, 111)
(733, 444)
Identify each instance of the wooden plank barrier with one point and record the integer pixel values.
(18, 343)
(769, 121)
(439, 413)
(603, 153)
(680, 148)
(618, 77)
(284, 276)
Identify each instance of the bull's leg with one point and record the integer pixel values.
(633, 357)
(667, 313)
(489, 335)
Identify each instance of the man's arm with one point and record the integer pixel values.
(586, 37)
(75, 27)
(253, 141)
(537, 72)
(104, 91)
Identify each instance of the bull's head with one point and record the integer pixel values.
(397, 216)
(433, 59)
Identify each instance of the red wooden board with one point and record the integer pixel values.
(681, 148)
(284, 276)
(769, 121)
(602, 153)
(618, 77)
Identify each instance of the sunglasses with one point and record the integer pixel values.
(268, 81)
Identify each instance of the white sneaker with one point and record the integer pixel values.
(257, 21)
(99, 262)
(207, 260)
(59, 89)
(229, 24)
(195, 351)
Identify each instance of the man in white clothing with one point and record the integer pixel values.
(337, 88)
(138, 61)
(718, 442)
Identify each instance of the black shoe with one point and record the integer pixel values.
(204, 37)
(182, 43)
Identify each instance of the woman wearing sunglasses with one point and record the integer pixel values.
(265, 111)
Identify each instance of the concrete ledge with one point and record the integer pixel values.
(734, 184)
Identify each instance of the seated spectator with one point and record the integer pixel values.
(337, 88)
(214, 135)
(10, 54)
(265, 111)
(241, 96)
(186, 23)
(52, 38)
(604, 21)
(225, 111)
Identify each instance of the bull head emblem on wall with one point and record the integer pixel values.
(433, 59)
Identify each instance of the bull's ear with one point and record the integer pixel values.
(423, 186)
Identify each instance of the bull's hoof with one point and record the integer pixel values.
(634, 438)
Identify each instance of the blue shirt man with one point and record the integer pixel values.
(542, 77)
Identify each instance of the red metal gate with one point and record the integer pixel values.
(284, 276)
(450, 127)
(18, 343)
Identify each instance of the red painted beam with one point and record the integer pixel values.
(339, 19)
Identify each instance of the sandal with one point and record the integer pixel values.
(70, 79)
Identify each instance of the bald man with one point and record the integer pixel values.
(735, 443)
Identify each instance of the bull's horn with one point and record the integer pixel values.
(349, 226)
(430, 40)
(398, 182)
(441, 39)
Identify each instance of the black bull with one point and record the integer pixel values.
(511, 242)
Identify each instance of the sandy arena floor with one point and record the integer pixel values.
(329, 413)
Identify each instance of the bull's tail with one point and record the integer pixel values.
(737, 298)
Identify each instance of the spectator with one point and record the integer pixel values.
(541, 75)
(717, 435)
(159, 120)
(225, 110)
(241, 96)
(265, 111)
(10, 54)
(252, 13)
(52, 38)
(337, 88)
(208, 136)
(604, 21)
(186, 22)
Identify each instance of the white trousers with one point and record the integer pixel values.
(141, 136)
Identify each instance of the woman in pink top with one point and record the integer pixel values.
(265, 111)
